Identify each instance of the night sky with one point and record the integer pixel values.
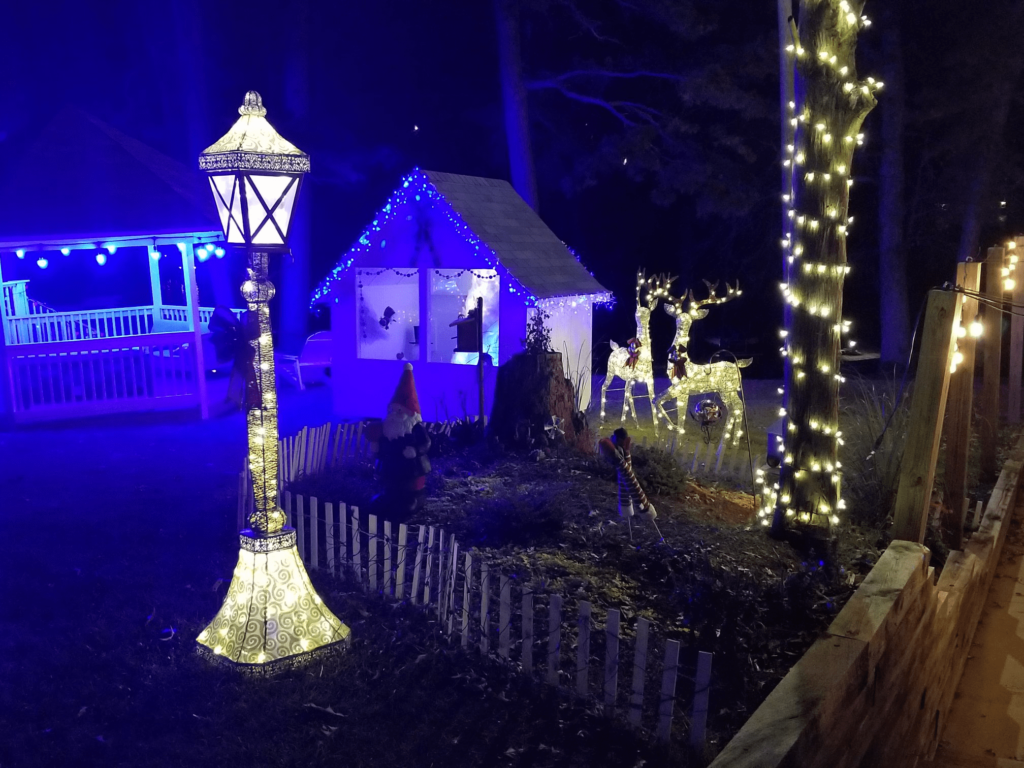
(349, 82)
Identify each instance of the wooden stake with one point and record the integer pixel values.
(917, 471)
(992, 350)
(957, 427)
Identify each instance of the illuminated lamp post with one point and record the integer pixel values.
(271, 615)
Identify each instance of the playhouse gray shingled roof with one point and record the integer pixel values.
(534, 255)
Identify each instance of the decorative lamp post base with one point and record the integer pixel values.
(271, 617)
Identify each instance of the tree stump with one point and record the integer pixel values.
(532, 388)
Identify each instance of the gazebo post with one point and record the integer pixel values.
(6, 386)
(154, 282)
(188, 264)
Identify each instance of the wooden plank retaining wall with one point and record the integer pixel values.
(876, 689)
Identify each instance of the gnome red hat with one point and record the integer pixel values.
(405, 392)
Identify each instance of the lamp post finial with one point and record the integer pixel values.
(253, 105)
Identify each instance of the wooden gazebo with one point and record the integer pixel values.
(85, 190)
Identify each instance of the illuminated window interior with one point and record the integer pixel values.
(388, 307)
(453, 293)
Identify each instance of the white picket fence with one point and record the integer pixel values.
(487, 610)
(315, 449)
(709, 461)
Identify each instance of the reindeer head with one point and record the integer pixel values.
(649, 291)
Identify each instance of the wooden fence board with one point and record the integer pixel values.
(371, 550)
(636, 699)
(300, 518)
(931, 385)
(504, 616)
(554, 637)
(314, 532)
(403, 553)
(467, 586)
(611, 658)
(453, 549)
(583, 650)
(667, 704)
(357, 549)
(957, 425)
(429, 566)
(342, 537)
(332, 564)
(1013, 401)
(417, 571)
(527, 651)
(992, 351)
(701, 693)
(388, 576)
(485, 608)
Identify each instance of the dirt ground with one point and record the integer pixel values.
(706, 575)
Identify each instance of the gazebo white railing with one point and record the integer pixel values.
(85, 362)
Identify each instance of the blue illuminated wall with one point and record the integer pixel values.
(423, 235)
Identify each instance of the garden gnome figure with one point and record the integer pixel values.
(402, 456)
(616, 450)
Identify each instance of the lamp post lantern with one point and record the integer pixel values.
(271, 613)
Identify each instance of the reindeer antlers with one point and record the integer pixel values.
(731, 292)
(657, 287)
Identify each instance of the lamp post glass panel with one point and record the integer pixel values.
(271, 612)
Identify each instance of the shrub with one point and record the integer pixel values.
(872, 470)
(658, 471)
(528, 519)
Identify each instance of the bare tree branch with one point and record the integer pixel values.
(606, 73)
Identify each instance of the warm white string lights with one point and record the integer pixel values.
(833, 103)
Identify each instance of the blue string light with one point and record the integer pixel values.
(414, 188)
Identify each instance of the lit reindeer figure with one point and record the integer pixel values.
(633, 362)
(688, 377)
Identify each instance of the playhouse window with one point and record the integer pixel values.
(388, 307)
(453, 293)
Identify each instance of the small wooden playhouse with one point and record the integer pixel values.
(441, 242)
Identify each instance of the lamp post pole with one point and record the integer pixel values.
(261, 399)
(272, 615)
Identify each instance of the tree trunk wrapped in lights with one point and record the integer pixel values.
(829, 109)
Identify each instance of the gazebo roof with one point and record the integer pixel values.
(84, 180)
